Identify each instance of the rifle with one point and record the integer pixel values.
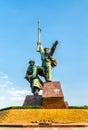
(39, 31)
(53, 48)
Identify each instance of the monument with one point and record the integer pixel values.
(52, 96)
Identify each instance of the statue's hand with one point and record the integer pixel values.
(38, 46)
(26, 77)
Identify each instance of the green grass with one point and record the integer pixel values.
(21, 107)
(40, 107)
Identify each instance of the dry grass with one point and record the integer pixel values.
(57, 115)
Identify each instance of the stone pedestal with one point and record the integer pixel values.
(33, 100)
(53, 96)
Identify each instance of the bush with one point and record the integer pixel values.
(21, 107)
(78, 107)
(40, 107)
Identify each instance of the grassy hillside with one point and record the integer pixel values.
(33, 115)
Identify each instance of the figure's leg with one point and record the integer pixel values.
(40, 71)
(36, 90)
(36, 86)
(48, 72)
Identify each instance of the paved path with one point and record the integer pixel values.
(43, 128)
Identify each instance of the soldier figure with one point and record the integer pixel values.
(45, 70)
(47, 62)
(32, 77)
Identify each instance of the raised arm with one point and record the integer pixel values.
(40, 48)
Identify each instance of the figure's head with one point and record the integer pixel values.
(46, 50)
(31, 62)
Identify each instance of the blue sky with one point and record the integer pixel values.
(62, 20)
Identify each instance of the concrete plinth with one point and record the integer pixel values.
(33, 100)
(53, 96)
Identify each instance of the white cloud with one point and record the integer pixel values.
(4, 80)
(18, 93)
(3, 85)
(1, 98)
(17, 98)
(6, 83)
(5, 77)
(12, 92)
(9, 82)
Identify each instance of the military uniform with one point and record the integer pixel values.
(32, 77)
(46, 63)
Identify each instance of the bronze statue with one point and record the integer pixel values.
(33, 71)
(33, 78)
(47, 60)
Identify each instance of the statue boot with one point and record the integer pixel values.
(36, 90)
